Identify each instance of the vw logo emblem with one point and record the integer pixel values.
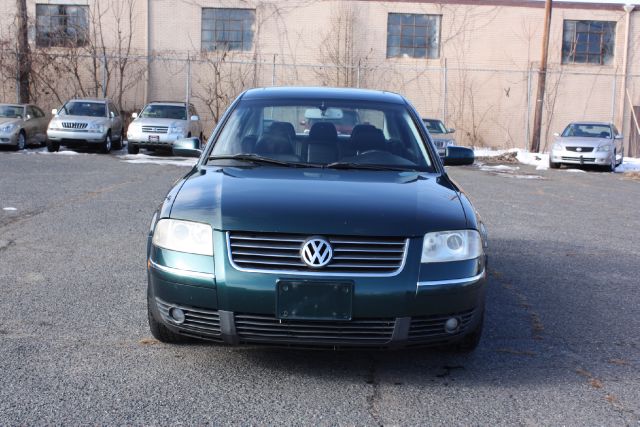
(579, 149)
(316, 252)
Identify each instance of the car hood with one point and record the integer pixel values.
(307, 201)
(583, 142)
(7, 120)
(158, 122)
(82, 119)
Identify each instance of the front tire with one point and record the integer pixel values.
(132, 148)
(105, 147)
(611, 167)
(554, 165)
(161, 332)
(53, 146)
(120, 144)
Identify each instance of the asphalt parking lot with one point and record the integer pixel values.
(561, 344)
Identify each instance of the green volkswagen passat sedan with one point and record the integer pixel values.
(318, 239)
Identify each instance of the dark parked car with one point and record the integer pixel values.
(318, 239)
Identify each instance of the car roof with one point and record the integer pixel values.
(346, 94)
(14, 105)
(182, 104)
(101, 100)
(592, 123)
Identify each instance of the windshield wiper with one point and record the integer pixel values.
(258, 160)
(352, 165)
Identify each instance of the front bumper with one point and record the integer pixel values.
(76, 136)
(236, 307)
(153, 140)
(9, 138)
(581, 158)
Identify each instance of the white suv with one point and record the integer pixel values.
(160, 124)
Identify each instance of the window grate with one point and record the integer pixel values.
(413, 35)
(227, 29)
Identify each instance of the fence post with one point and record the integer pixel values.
(18, 100)
(188, 83)
(528, 118)
(613, 99)
(358, 75)
(104, 75)
(445, 90)
(273, 72)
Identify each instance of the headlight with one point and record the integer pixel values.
(9, 128)
(605, 147)
(184, 236)
(96, 127)
(557, 147)
(449, 143)
(176, 129)
(445, 246)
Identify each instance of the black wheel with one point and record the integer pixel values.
(161, 332)
(554, 165)
(53, 146)
(22, 141)
(132, 148)
(611, 167)
(470, 342)
(120, 143)
(105, 147)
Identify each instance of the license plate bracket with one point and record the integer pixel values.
(154, 138)
(314, 300)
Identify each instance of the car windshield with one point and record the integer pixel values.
(157, 111)
(386, 137)
(84, 108)
(587, 131)
(435, 126)
(11, 111)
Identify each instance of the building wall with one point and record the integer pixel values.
(483, 82)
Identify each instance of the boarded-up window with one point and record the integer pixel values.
(227, 29)
(588, 42)
(61, 25)
(413, 35)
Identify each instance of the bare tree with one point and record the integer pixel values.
(23, 52)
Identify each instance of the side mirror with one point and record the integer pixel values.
(188, 147)
(619, 136)
(28, 117)
(195, 118)
(134, 115)
(556, 134)
(455, 156)
(54, 112)
(112, 114)
(451, 130)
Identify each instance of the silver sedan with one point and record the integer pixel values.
(588, 143)
(22, 125)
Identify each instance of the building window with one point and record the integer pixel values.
(227, 29)
(413, 35)
(61, 25)
(588, 42)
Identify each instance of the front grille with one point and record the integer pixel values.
(439, 144)
(352, 255)
(260, 328)
(155, 129)
(431, 328)
(200, 322)
(74, 125)
(577, 159)
(582, 149)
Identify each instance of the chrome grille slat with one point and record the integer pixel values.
(74, 125)
(280, 252)
(155, 129)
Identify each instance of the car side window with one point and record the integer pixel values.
(38, 112)
(615, 131)
(31, 113)
(113, 109)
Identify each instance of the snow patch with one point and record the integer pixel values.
(9, 208)
(497, 168)
(62, 153)
(630, 164)
(156, 160)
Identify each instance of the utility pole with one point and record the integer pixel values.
(542, 79)
(23, 55)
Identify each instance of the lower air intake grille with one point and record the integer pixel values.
(200, 322)
(259, 328)
(427, 328)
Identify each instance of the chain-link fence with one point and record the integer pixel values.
(488, 107)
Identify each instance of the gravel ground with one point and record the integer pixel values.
(561, 344)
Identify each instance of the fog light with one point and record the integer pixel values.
(177, 315)
(451, 325)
